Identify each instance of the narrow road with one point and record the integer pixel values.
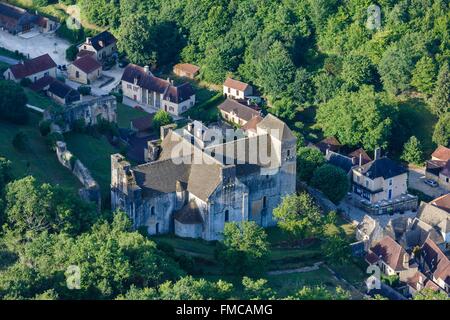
(315, 267)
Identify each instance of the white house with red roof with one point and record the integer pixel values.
(438, 168)
(237, 89)
(33, 69)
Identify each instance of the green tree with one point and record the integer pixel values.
(441, 135)
(299, 216)
(321, 293)
(188, 288)
(257, 289)
(244, 249)
(332, 181)
(424, 75)
(308, 160)
(13, 102)
(160, 119)
(358, 118)
(430, 294)
(440, 102)
(412, 151)
(356, 71)
(335, 245)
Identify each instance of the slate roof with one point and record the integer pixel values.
(419, 233)
(236, 84)
(272, 122)
(442, 153)
(187, 67)
(32, 66)
(87, 64)
(179, 94)
(241, 111)
(176, 94)
(104, 36)
(389, 251)
(41, 83)
(340, 161)
(60, 89)
(189, 214)
(383, 167)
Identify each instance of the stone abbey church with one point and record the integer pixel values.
(193, 183)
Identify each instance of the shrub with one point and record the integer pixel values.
(44, 127)
(84, 90)
(52, 138)
(25, 82)
(71, 53)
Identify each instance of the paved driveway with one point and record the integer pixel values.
(416, 181)
(36, 45)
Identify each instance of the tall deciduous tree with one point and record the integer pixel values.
(13, 102)
(441, 135)
(440, 102)
(412, 151)
(332, 181)
(424, 75)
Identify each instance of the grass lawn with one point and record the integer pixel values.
(39, 100)
(95, 154)
(38, 160)
(126, 113)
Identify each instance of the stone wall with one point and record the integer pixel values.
(91, 190)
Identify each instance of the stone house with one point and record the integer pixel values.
(85, 70)
(140, 85)
(33, 69)
(103, 45)
(392, 259)
(194, 184)
(236, 89)
(17, 20)
(381, 186)
(186, 70)
(61, 93)
(438, 168)
(437, 218)
(237, 113)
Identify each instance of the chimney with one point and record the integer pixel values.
(101, 43)
(360, 159)
(190, 127)
(377, 154)
(147, 69)
(406, 261)
(88, 40)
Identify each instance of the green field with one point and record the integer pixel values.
(126, 113)
(95, 154)
(37, 160)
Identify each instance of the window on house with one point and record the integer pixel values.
(229, 90)
(152, 211)
(367, 183)
(129, 86)
(77, 74)
(264, 202)
(390, 182)
(289, 153)
(227, 215)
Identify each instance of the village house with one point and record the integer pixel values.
(17, 20)
(61, 93)
(194, 184)
(140, 85)
(392, 259)
(437, 218)
(103, 45)
(33, 69)
(186, 70)
(442, 202)
(380, 186)
(236, 89)
(329, 143)
(438, 168)
(85, 70)
(90, 111)
(237, 113)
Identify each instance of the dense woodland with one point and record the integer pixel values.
(321, 69)
(299, 54)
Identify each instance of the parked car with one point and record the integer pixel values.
(431, 183)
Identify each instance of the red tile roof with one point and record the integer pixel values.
(364, 156)
(442, 202)
(436, 260)
(235, 84)
(87, 64)
(251, 125)
(32, 66)
(187, 67)
(442, 153)
(329, 143)
(83, 53)
(388, 250)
